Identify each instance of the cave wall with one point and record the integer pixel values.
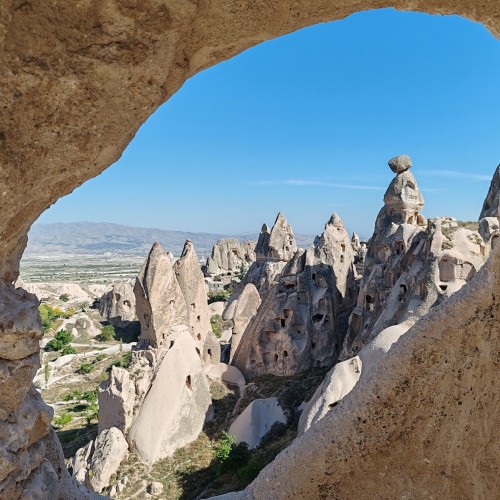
(77, 81)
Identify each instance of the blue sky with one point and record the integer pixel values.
(305, 124)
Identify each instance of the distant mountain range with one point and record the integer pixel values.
(97, 238)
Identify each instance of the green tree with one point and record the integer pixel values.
(64, 297)
(107, 333)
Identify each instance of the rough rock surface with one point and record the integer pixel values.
(118, 306)
(400, 164)
(116, 398)
(110, 449)
(256, 420)
(432, 393)
(246, 308)
(174, 409)
(489, 219)
(230, 256)
(192, 284)
(274, 249)
(160, 303)
(409, 268)
(342, 378)
(303, 319)
(86, 101)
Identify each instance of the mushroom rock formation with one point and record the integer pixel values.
(398, 224)
(117, 306)
(75, 92)
(160, 303)
(192, 284)
(174, 409)
(229, 256)
(302, 321)
(408, 268)
(246, 308)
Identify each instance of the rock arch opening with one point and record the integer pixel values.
(149, 71)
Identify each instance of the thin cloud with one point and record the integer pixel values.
(306, 182)
(453, 174)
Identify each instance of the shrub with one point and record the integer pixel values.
(107, 333)
(63, 336)
(220, 296)
(90, 396)
(92, 412)
(85, 368)
(64, 297)
(60, 341)
(217, 278)
(230, 456)
(75, 394)
(63, 419)
(68, 349)
(249, 471)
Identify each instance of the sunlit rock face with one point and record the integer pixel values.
(489, 219)
(230, 256)
(175, 407)
(192, 285)
(118, 306)
(303, 319)
(412, 264)
(159, 299)
(85, 102)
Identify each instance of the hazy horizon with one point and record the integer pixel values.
(305, 124)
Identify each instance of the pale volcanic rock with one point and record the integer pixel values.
(246, 308)
(489, 219)
(302, 321)
(342, 378)
(119, 82)
(118, 305)
(160, 303)
(281, 244)
(409, 269)
(230, 256)
(174, 409)
(256, 420)
(116, 398)
(110, 449)
(274, 249)
(192, 284)
(400, 164)
(226, 373)
(491, 205)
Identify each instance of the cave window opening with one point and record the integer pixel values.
(275, 357)
(285, 354)
(188, 382)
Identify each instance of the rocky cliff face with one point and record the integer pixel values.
(87, 102)
(303, 319)
(118, 306)
(411, 264)
(230, 256)
(160, 302)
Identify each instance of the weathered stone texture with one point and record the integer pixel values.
(78, 80)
